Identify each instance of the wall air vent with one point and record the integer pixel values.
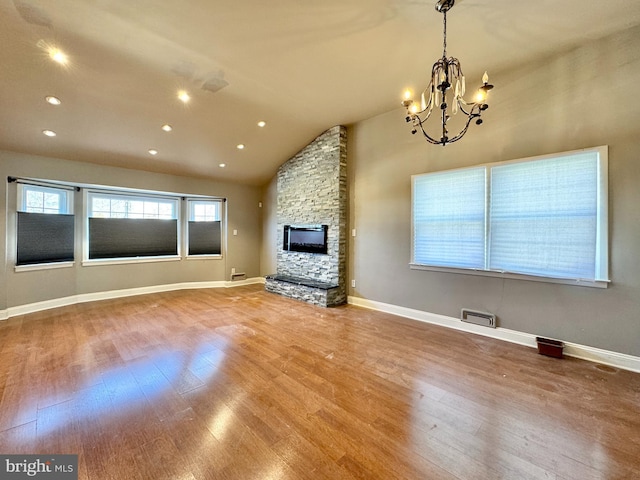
(479, 318)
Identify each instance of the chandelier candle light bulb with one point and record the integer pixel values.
(445, 74)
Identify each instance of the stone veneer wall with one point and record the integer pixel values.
(312, 190)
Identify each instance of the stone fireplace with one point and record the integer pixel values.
(312, 190)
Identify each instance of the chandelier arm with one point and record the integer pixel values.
(470, 112)
(477, 106)
(475, 110)
(429, 139)
(470, 104)
(437, 67)
(464, 130)
(420, 121)
(442, 141)
(425, 134)
(426, 116)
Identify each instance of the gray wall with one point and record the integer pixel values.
(581, 98)
(21, 288)
(269, 249)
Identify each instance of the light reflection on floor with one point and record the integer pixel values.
(148, 378)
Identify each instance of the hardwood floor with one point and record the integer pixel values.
(242, 384)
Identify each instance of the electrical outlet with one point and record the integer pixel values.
(353, 232)
(353, 284)
(233, 270)
(235, 232)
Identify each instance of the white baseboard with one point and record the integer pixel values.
(584, 352)
(91, 297)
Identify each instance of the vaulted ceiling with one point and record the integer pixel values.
(301, 66)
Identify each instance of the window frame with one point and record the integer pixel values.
(72, 201)
(602, 226)
(22, 189)
(190, 217)
(134, 195)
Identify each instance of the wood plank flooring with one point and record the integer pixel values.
(243, 384)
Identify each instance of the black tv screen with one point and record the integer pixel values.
(310, 239)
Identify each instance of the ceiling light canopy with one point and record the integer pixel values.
(166, 127)
(153, 151)
(240, 146)
(446, 74)
(53, 100)
(49, 133)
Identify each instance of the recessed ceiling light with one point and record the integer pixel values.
(166, 127)
(53, 52)
(262, 123)
(58, 56)
(184, 96)
(153, 151)
(49, 133)
(222, 165)
(240, 146)
(53, 100)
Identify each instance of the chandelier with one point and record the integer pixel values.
(446, 74)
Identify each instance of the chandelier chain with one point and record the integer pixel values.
(444, 41)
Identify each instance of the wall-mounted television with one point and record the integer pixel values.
(306, 238)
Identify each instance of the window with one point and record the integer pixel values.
(542, 217)
(119, 225)
(45, 225)
(119, 206)
(204, 227)
(124, 225)
(204, 210)
(449, 218)
(41, 199)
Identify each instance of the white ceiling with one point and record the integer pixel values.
(303, 66)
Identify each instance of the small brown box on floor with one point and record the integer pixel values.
(551, 348)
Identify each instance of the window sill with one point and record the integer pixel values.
(127, 261)
(43, 266)
(513, 276)
(203, 257)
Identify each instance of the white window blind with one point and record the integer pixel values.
(449, 218)
(543, 217)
